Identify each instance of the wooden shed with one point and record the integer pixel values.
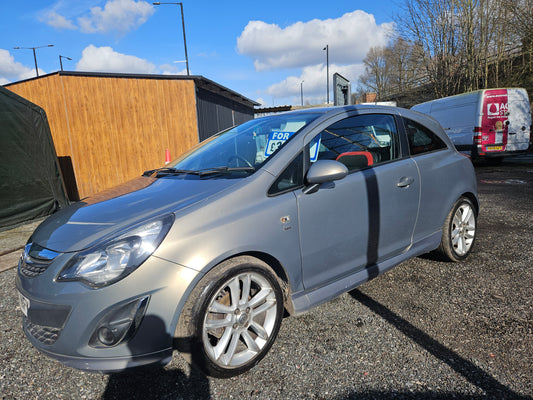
(109, 128)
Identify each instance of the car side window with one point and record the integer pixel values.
(291, 177)
(358, 142)
(421, 139)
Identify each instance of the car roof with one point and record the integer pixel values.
(340, 109)
(328, 112)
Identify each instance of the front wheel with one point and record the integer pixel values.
(459, 231)
(232, 317)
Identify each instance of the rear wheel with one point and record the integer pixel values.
(232, 317)
(459, 231)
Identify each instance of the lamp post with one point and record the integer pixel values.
(61, 63)
(302, 92)
(327, 70)
(158, 3)
(34, 55)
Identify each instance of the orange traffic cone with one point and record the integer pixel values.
(167, 156)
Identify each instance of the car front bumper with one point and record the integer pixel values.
(61, 319)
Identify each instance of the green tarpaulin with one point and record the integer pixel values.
(30, 179)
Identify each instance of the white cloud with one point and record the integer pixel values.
(105, 59)
(11, 70)
(9, 67)
(170, 69)
(117, 15)
(314, 83)
(31, 74)
(300, 44)
(57, 21)
(261, 101)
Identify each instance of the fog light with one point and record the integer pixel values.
(106, 336)
(119, 324)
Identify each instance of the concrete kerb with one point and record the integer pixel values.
(12, 241)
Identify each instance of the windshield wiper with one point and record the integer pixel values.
(165, 171)
(168, 171)
(224, 170)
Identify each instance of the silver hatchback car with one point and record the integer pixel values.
(206, 255)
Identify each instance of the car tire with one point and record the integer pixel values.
(459, 231)
(231, 318)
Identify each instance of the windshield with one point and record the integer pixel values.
(244, 148)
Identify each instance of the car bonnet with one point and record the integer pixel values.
(85, 223)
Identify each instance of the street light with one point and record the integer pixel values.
(61, 63)
(34, 55)
(327, 69)
(302, 92)
(158, 3)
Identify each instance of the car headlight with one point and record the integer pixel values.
(116, 258)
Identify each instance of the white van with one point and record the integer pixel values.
(485, 123)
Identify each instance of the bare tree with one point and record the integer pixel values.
(405, 70)
(376, 77)
(519, 21)
(433, 25)
(462, 39)
(455, 46)
(391, 69)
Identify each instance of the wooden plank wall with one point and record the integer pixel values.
(115, 128)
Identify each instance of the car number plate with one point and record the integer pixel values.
(494, 148)
(24, 304)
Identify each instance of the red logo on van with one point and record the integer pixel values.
(493, 127)
(497, 109)
(493, 109)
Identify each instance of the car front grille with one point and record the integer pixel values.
(44, 334)
(35, 260)
(31, 269)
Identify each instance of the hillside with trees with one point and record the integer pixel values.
(447, 47)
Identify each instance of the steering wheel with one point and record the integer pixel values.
(239, 158)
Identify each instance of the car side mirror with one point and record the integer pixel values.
(324, 171)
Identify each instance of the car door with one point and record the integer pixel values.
(369, 215)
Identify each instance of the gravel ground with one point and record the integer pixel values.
(426, 329)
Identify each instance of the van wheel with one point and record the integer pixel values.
(459, 231)
(231, 318)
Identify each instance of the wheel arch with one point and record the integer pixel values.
(187, 338)
(278, 270)
(473, 198)
(446, 250)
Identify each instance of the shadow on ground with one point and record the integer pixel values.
(157, 383)
(476, 376)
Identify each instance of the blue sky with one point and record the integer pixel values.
(263, 50)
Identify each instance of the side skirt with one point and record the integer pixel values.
(305, 300)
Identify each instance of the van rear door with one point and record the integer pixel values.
(519, 120)
(493, 127)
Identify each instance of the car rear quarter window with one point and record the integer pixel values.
(421, 139)
(359, 142)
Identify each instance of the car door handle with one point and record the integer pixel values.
(405, 181)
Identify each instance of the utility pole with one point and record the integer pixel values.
(158, 3)
(34, 55)
(327, 71)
